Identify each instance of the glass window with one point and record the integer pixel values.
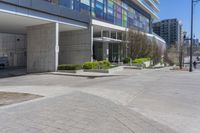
(118, 15)
(114, 11)
(86, 2)
(98, 9)
(110, 11)
(124, 18)
(67, 3)
(85, 6)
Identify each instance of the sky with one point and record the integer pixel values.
(181, 9)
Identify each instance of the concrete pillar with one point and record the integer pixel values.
(92, 42)
(76, 46)
(42, 48)
(105, 51)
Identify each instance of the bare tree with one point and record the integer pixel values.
(133, 47)
(139, 45)
(173, 55)
(156, 52)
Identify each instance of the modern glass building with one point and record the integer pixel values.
(125, 13)
(46, 33)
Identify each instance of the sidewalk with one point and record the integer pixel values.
(76, 113)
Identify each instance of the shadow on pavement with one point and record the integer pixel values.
(12, 72)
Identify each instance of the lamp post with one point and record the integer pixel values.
(191, 38)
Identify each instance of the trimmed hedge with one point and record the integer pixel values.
(90, 65)
(140, 60)
(87, 65)
(103, 64)
(69, 67)
(97, 65)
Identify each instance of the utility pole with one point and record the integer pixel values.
(191, 38)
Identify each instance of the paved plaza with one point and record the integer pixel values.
(139, 101)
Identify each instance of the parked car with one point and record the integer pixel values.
(3, 62)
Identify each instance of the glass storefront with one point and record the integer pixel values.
(112, 11)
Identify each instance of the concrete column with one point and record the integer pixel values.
(76, 46)
(42, 48)
(92, 42)
(105, 51)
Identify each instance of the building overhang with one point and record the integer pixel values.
(107, 26)
(98, 25)
(17, 22)
(156, 37)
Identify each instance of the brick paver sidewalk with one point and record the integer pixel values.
(75, 113)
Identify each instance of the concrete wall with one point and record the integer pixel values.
(13, 46)
(75, 47)
(42, 48)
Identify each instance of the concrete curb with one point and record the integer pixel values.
(83, 75)
(108, 71)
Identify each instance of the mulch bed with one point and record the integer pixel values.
(7, 98)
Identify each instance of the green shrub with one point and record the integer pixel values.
(73, 67)
(103, 64)
(69, 67)
(97, 65)
(61, 67)
(126, 60)
(90, 65)
(140, 60)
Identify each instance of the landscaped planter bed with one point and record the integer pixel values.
(111, 70)
(7, 98)
(70, 71)
(70, 68)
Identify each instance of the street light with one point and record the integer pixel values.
(191, 38)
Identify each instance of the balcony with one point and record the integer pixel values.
(153, 4)
(147, 7)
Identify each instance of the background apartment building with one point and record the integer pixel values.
(170, 30)
(40, 34)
